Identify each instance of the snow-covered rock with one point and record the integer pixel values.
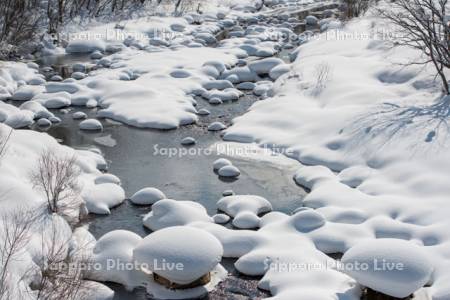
(101, 197)
(116, 246)
(194, 252)
(203, 112)
(221, 218)
(216, 126)
(311, 20)
(168, 212)
(307, 220)
(220, 163)
(215, 101)
(26, 92)
(107, 178)
(264, 66)
(91, 124)
(187, 141)
(78, 115)
(43, 122)
(396, 267)
(147, 196)
(229, 171)
(279, 70)
(78, 75)
(244, 209)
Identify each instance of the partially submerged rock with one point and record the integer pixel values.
(397, 268)
(190, 252)
(147, 196)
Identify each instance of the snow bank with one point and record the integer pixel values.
(47, 232)
(376, 161)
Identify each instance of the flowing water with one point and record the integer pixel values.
(131, 155)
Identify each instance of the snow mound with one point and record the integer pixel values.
(115, 246)
(91, 124)
(229, 171)
(147, 196)
(79, 115)
(264, 66)
(221, 218)
(101, 197)
(107, 178)
(188, 141)
(307, 220)
(221, 162)
(244, 209)
(216, 126)
(193, 253)
(395, 267)
(168, 212)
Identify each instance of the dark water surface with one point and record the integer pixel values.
(130, 153)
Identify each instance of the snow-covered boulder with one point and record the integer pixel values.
(91, 124)
(107, 178)
(178, 27)
(43, 122)
(79, 115)
(397, 268)
(220, 163)
(218, 65)
(115, 246)
(37, 108)
(78, 75)
(312, 20)
(247, 86)
(264, 66)
(168, 212)
(96, 55)
(229, 171)
(244, 209)
(307, 220)
(217, 84)
(101, 197)
(147, 196)
(193, 252)
(187, 141)
(56, 78)
(216, 126)
(279, 70)
(215, 101)
(221, 218)
(206, 37)
(203, 112)
(26, 92)
(38, 80)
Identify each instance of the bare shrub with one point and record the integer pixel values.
(14, 236)
(423, 25)
(57, 176)
(63, 271)
(357, 8)
(322, 74)
(4, 139)
(19, 21)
